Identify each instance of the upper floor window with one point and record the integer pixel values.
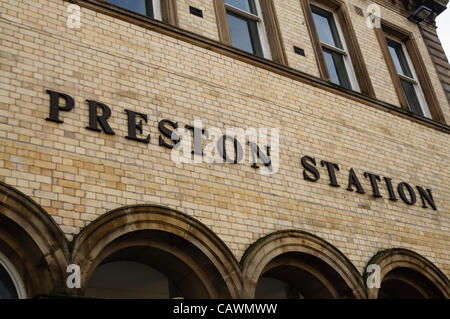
(149, 8)
(338, 55)
(408, 79)
(409, 74)
(334, 50)
(252, 26)
(246, 26)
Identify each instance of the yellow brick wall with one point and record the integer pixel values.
(295, 32)
(205, 26)
(371, 51)
(78, 175)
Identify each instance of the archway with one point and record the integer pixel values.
(34, 251)
(407, 275)
(295, 264)
(166, 247)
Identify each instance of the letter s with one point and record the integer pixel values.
(168, 133)
(310, 168)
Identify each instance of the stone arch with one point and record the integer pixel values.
(411, 270)
(168, 234)
(300, 251)
(32, 242)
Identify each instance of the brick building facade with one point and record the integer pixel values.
(87, 175)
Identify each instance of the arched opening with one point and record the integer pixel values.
(33, 250)
(164, 260)
(405, 274)
(153, 252)
(303, 277)
(405, 283)
(297, 265)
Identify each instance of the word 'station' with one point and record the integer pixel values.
(404, 190)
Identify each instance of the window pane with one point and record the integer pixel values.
(411, 97)
(326, 27)
(143, 7)
(399, 58)
(394, 56)
(244, 34)
(336, 68)
(246, 5)
(7, 289)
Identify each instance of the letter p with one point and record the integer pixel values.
(55, 107)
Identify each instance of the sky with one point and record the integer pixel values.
(443, 30)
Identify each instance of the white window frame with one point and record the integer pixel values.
(157, 10)
(414, 80)
(259, 23)
(346, 56)
(14, 275)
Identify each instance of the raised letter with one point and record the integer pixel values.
(426, 195)
(373, 181)
(237, 149)
(133, 127)
(198, 144)
(331, 173)
(55, 107)
(94, 118)
(353, 180)
(257, 152)
(310, 168)
(402, 194)
(392, 196)
(167, 133)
